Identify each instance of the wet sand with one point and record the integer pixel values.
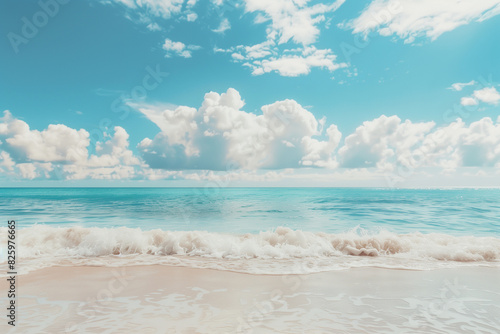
(167, 299)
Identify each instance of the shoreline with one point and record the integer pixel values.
(159, 299)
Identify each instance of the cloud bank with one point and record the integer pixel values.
(286, 135)
(283, 138)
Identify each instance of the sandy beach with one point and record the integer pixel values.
(166, 299)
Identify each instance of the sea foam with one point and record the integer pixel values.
(41, 246)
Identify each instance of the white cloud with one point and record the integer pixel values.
(178, 49)
(288, 22)
(292, 65)
(409, 19)
(256, 51)
(320, 153)
(73, 172)
(468, 101)
(387, 143)
(28, 171)
(237, 56)
(294, 23)
(285, 135)
(179, 124)
(153, 13)
(219, 134)
(381, 142)
(113, 152)
(291, 20)
(487, 95)
(263, 58)
(6, 162)
(191, 17)
(191, 3)
(460, 85)
(60, 152)
(153, 26)
(157, 8)
(223, 26)
(57, 143)
(457, 145)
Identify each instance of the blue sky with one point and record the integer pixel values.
(86, 70)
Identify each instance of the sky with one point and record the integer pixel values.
(382, 93)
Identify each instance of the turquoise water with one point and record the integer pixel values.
(250, 210)
(254, 230)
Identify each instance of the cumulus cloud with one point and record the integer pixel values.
(6, 162)
(178, 49)
(381, 142)
(320, 153)
(57, 143)
(409, 19)
(387, 142)
(199, 144)
(60, 152)
(28, 171)
(220, 135)
(468, 101)
(113, 152)
(112, 160)
(487, 95)
(457, 145)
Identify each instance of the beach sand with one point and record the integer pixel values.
(167, 299)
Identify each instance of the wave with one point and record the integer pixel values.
(265, 252)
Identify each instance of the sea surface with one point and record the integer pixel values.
(255, 230)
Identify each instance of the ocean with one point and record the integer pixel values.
(254, 230)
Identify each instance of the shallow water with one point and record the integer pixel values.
(251, 210)
(254, 230)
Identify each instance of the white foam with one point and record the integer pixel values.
(280, 251)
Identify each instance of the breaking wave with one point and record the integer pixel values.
(282, 250)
